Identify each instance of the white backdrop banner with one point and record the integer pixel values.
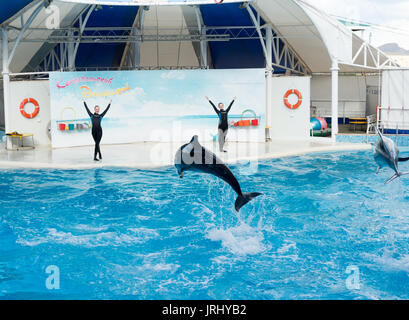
(163, 106)
(395, 99)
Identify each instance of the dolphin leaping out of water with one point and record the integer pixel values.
(193, 157)
(386, 154)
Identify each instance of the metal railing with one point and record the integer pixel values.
(323, 108)
(394, 119)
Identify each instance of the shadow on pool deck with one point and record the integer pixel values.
(151, 155)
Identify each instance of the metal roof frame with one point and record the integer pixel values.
(69, 39)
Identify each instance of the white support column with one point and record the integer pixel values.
(135, 57)
(269, 76)
(136, 46)
(334, 102)
(203, 50)
(71, 52)
(256, 22)
(203, 44)
(6, 76)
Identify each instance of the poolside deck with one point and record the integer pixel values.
(151, 155)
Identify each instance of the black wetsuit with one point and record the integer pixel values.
(96, 128)
(223, 123)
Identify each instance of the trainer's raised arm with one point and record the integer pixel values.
(231, 104)
(214, 107)
(106, 110)
(86, 108)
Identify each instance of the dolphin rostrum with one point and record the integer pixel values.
(193, 157)
(386, 154)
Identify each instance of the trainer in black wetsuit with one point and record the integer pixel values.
(96, 127)
(223, 122)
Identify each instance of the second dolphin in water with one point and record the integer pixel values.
(193, 157)
(387, 154)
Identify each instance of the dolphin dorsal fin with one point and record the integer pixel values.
(381, 136)
(190, 146)
(195, 139)
(379, 132)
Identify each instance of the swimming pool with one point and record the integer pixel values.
(138, 234)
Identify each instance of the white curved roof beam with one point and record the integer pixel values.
(31, 53)
(24, 28)
(83, 24)
(19, 14)
(287, 52)
(203, 44)
(131, 56)
(256, 22)
(318, 38)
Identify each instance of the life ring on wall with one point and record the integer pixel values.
(288, 104)
(36, 108)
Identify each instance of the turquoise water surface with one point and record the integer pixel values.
(138, 234)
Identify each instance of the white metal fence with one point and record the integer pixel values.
(393, 118)
(346, 108)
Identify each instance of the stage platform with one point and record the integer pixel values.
(154, 155)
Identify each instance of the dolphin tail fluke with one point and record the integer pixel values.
(392, 178)
(244, 199)
(396, 175)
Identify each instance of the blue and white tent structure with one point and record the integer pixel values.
(289, 37)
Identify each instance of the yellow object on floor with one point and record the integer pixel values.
(358, 121)
(20, 136)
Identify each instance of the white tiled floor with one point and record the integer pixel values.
(150, 155)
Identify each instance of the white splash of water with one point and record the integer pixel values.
(241, 240)
(134, 235)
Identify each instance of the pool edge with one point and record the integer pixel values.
(10, 164)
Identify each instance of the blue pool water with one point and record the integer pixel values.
(137, 234)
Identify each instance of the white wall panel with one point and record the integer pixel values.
(352, 96)
(395, 97)
(40, 91)
(288, 124)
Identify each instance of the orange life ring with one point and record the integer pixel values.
(288, 104)
(36, 109)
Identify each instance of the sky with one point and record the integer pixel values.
(389, 13)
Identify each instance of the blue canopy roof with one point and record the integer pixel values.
(105, 54)
(234, 53)
(224, 54)
(312, 40)
(10, 8)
